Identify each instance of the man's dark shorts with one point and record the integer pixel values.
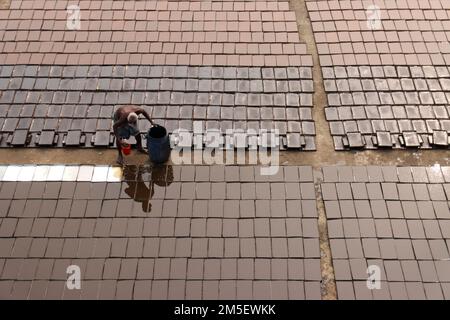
(127, 131)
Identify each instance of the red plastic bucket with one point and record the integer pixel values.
(126, 149)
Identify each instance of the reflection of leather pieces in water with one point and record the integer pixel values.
(145, 173)
(162, 175)
(130, 173)
(140, 192)
(146, 206)
(137, 189)
(143, 192)
(140, 182)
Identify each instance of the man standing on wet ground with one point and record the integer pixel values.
(126, 125)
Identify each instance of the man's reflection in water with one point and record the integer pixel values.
(138, 177)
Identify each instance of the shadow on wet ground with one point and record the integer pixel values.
(142, 181)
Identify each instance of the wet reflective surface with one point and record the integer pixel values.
(161, 230)
(226, 227)
(142, 182)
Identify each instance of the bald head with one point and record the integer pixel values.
(132, 117)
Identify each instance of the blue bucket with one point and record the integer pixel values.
(158, 144)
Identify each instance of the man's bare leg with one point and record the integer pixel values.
(139, 143)
(120, 155)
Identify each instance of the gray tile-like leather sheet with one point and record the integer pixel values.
(66, 99)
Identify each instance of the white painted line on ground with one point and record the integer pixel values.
(61, 173)
(2, 171)
(41, 173)
(70, 173)
(56, 173)
(26, 173)
(100, 174)
(85, 173)
(12, 173)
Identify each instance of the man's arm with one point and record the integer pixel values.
(145, 114)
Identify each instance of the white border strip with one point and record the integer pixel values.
(61, 173)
